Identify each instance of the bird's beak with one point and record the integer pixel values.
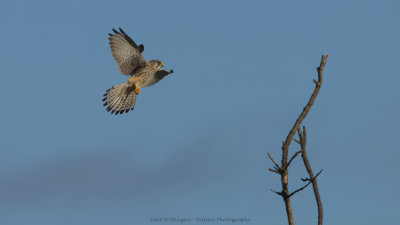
(162, 64)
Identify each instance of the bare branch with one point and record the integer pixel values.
(283, 169)
(273, 170)
(300, 189)
(289, 138)
(272, 159)
(305, 180)
(312, 180)
(277, 192)
(294, 156)
(318, 174)
(304, 136)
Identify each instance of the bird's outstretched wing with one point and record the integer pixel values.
(120, 98)
(126, 53)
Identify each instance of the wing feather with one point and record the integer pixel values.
(126, 52)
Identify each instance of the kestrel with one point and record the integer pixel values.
(122, 98)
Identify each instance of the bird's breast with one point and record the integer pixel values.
(144, 77)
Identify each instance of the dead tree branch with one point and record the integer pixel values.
(305, 180)
(312, 179)
(291, 159)
(285, 163)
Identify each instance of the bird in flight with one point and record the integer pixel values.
(122, 98)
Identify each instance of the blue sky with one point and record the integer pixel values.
(196, 144)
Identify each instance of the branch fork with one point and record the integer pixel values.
(282, 169)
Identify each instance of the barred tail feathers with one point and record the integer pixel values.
(120, 98)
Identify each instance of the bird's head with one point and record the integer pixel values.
(157, 64)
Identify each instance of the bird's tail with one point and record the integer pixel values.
(120, 98)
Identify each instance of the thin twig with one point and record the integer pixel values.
(300, 189)
(277, 192)
(273, 170)
(304, 180)
(272, 159)
(309, 179)
(294, 156)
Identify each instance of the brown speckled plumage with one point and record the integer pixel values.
(122, 98)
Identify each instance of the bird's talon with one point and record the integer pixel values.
(137, 90)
